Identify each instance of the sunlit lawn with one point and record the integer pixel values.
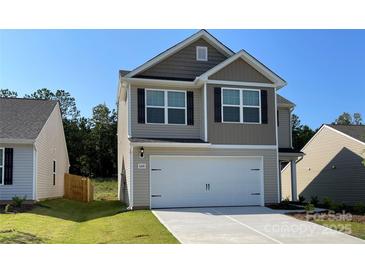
(102, 221)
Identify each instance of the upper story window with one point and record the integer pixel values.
(166, 107)
(241, 106)
(201, 53)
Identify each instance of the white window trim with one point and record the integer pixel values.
(241, 106)
(197, 55)
(2, 165)
(165, 106)
(54, 172)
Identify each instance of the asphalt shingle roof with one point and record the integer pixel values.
(282, 100)
(23, 118)
(357, 132)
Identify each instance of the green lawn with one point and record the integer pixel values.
(356, 229)
(102, 221)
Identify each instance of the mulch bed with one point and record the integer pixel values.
(12, 209)
(326, 216)
(285, 207)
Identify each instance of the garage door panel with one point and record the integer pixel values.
(205, 181)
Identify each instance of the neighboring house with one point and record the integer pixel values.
(332, 166)
(198, 126)
(33, 152)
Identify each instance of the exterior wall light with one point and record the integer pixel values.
(141, 152)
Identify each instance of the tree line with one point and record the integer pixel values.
(91, 142)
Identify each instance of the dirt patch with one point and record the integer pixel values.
(13, 236)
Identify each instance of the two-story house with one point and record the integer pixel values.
(201, 125)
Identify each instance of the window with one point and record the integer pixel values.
(155, 106)
(251, 106)
(241, 106)
(2, 166)
(54, 172)
(201, 53)
(166, 107)
(231, 105)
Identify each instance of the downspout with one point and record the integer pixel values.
(35, 172)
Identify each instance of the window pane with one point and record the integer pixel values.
(176, 116)
(155, 98)
(155, 115)
(231, 97)
(251, 115)
(231, 114)
(1, 175)
(251, 98)
(1, 157)
(176, 99)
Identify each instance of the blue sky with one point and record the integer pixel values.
(325, 69)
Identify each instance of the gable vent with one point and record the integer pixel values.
(201, 53)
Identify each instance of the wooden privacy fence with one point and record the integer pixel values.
(78, 188)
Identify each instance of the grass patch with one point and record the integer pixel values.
(352, 228)
(103, 221)
(354, 225)
(105, 189)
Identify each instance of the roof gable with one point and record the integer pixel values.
(182, 65)
(253, 62)
(202, 34)
(355, 131)
(240, 70)
(23, 118)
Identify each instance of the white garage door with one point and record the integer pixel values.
(180, 181)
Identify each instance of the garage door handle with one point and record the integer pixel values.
(256, 194)
(156, 169)
(255, 169)
(156, 196)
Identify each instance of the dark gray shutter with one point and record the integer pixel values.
(190, 107)
(141, 105)
(8, 166)
(264, 118)
(217, 105)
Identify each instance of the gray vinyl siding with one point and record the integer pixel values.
(141, 186)
(166, 131)
(22, 173)
(183, 64)
(239, 70)
(284, 130)
(124, 189)
(315, 173)
(243, 134)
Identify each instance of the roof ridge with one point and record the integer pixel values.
(29, 99)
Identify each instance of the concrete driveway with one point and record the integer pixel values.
(245, 225)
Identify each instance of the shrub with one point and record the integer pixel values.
(335, 207)
(309, 208)
(359, 208)
(327, 202)
(314, 200)
(301, 199)
(286, 201)
(18, 201)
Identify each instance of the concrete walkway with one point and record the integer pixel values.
(245, 225)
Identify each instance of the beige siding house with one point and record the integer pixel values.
(332, 166)
(198, 126)
(33, 152)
